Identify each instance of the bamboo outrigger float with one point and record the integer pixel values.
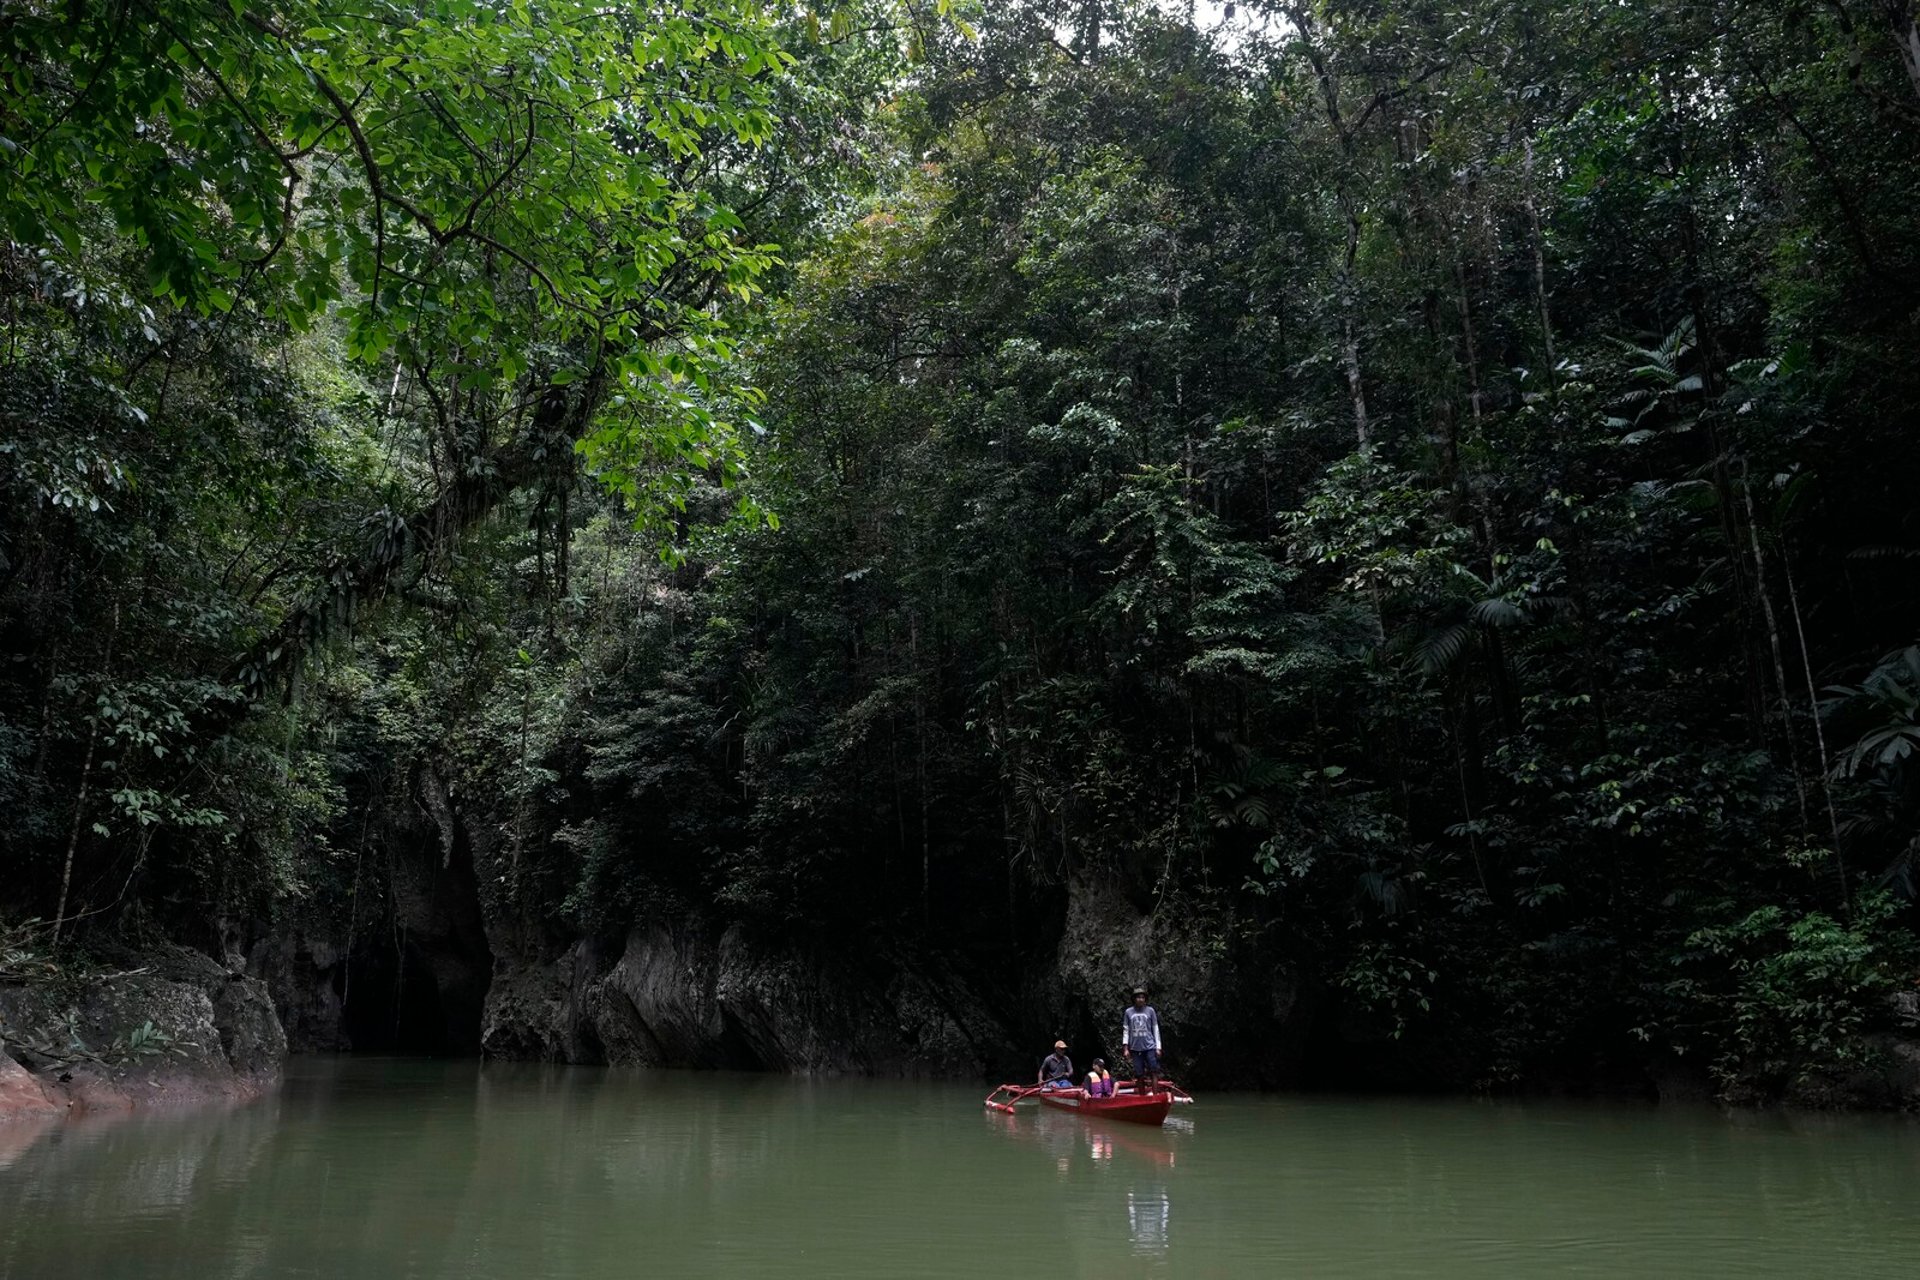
(1134, 1102)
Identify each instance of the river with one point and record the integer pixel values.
(373, 1168)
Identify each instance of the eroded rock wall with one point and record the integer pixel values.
(178, 1030)
(447, 963)
(683, 996)
(1228, 1015)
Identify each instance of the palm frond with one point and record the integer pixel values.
(1441, 648)
(1497, 611)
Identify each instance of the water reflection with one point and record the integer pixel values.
(1126, 1166)
(428, 1170)
(1148, 1213)
(17, 1137)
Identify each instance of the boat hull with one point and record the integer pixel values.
(1140, 1108)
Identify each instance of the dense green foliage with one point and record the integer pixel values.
(294, 301)
(1420, 491)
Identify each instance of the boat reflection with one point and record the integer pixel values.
(1143, 1160)
(1067, 1136)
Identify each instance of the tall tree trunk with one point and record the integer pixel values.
(1539, 246)
(86, 781)
(1324, 71)
(1476, 398)
(899, 808)
(1349, 333)
(1356, 388)
(1903, 23)
(920, 771)
(1011, 844)
(1467, 808)
(1819, 730)
(1086, 40)
(1706, 344)
(563, 542)
(46, 719)
(1773, 643)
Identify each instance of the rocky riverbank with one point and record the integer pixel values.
(179, 1029)
(176, 1030)
(449, 965)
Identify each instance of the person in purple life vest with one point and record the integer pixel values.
(1140, 1034)
(1099, 1080)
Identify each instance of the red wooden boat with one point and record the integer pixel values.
(1132, 1103)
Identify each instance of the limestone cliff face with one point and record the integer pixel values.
(1225, 1016)
(403, 962)
(676, 994)
(449, 967)
(682, 996)
(446, 963)
(687, 992)
(433, 958)
(177, 1030)
(436, 958)
(305, 968)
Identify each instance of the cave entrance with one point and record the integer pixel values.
(417, 981)
(405, 996)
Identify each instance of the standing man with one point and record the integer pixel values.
(1056, 1072)
(1140, 1034)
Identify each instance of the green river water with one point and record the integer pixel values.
(386, 1168)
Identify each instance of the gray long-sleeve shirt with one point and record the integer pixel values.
(1140, 1028)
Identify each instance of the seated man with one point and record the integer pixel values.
(1057, 1071)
